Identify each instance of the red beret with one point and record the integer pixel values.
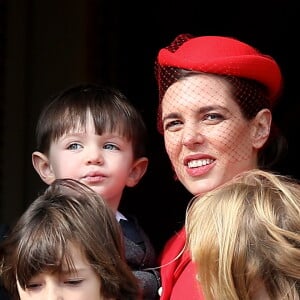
(225, 56)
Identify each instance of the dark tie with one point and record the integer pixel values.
(131, 232)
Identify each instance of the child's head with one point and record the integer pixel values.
(93, 134)
(69, 236)
(245, 238)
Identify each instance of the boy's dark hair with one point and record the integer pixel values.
(110, 109)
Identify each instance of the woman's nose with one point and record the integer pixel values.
(192, 135)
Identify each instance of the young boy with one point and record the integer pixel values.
(93, 134)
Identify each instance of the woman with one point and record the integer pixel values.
(216, 96)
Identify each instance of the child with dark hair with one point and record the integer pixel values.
(93, 134)
(67, 245)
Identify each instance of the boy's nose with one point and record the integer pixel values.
(95, 161)
(95, 157)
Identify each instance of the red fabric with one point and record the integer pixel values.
(178, 275)
(226, 56)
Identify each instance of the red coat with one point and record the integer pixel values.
(179, 277)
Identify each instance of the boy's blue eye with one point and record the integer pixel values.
(111, 147)
(74, 146)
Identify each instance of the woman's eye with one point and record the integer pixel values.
(74, 146)
(213, 117)
(173, 123)
(111, 147)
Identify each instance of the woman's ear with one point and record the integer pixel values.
(261, 128)
(41, 164)
(138, 170)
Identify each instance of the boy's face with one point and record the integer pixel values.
(80, 285)
(105, 163)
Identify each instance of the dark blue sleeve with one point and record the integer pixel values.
(3, 231)
(3, 294)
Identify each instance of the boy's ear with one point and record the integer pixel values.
(138, 170)
(41, 164)
(261, 128)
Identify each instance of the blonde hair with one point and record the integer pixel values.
(247, 232)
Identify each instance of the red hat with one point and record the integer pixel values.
(225, 56)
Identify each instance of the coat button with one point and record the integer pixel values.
(160, 290)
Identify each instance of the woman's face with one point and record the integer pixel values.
(206, 137)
